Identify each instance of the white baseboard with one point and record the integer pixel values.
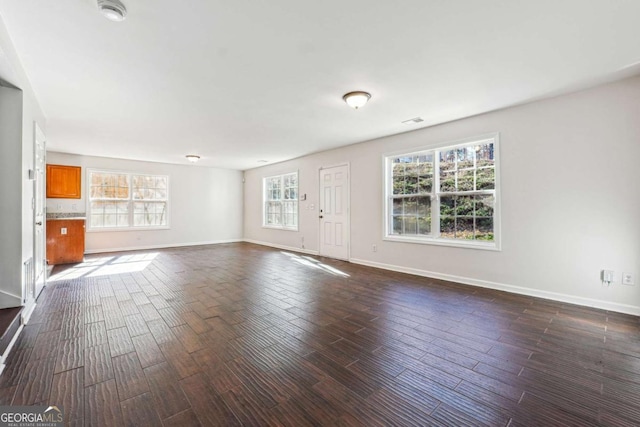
(283, 247)
(555, 296)
(165, 246)
(28, 311)
(4, 356)
(605, 305)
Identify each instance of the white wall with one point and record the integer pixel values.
(11, 71)
(205, 204)
(570, 200)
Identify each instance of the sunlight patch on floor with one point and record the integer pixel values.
(106, 266)
(315, 264)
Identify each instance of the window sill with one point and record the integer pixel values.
(118, 229)
(272, 227)
(492, 246)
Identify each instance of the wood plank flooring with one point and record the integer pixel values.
(240, 334)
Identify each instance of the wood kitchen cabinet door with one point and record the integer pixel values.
(63, 182)
(65, 241)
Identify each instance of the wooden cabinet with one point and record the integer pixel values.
(65, 241)
(63, 182)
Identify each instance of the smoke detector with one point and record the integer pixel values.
(113, 10)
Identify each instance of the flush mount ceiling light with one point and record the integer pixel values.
(192, 158)
(113, 10)
(356, 99)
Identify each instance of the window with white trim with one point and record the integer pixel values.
(280, 201)
(122, 200)
(444, 195)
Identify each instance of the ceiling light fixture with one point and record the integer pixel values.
(356, 99)
(113, 10)
(192, 158)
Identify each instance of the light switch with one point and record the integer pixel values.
(63, 230)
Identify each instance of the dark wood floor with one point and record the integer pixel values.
(240, 334)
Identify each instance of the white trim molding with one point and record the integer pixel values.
(554, 296)
(3, 357)
(283, 247)
(165, 246)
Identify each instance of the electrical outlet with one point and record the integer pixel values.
(374, 248)
(606, 276)
(63, 231)
(627, 279)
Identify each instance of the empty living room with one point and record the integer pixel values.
(330, 214)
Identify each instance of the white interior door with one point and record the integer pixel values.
(39, 203)
(334, 212)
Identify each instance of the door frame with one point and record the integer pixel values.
(348, 233)
(38, 135)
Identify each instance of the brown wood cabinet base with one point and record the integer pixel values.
(65, 248)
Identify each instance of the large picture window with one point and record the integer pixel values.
(120, 200)
(281, 201)
(445, 195)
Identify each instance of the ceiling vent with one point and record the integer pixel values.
(413, 121)
(113, 10)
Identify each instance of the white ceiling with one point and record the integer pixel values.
(241, 81)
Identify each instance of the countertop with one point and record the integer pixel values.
(66, 215)
(67, 218)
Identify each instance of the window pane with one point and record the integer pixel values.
(161, 182)
(465, 180)
(412, 175)
(410, 225)
(484, 229)
(146, 214)
(486, 179)
(485, 155)
(97, 221)
(107, 186)
(466, 157)
(484, 206)
(447, 205)
(447, 227)
(398, 178)
(423, 206)
(425, 184)
(464, 228)
(447, 181)
(96, 192)
(410, 206)
(447, 161)
(424, 225)
(397, 225)
(397, 206)
(464, 206)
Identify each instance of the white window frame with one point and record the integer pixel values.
(130, 225)
(296, 202)
(434, 238)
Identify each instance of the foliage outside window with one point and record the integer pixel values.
(119, 200)
(445, 195)
(281, 201)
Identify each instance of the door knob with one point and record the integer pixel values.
(320, 216)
